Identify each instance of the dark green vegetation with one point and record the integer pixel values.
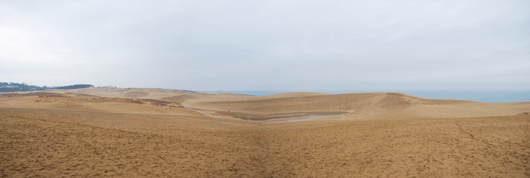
(13, 87)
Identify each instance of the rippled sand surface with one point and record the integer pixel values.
(159, 133)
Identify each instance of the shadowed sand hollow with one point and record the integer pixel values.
(97, 132)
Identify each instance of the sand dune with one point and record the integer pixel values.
(96, 132)
(365, 105)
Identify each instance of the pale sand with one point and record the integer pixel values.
(381, 135)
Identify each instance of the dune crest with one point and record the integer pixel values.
(97, 132)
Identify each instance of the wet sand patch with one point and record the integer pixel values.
(289, 119)
(278, 117)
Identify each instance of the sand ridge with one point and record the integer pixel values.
(102, 132)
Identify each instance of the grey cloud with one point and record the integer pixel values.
(277, 45)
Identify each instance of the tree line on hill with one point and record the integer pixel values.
(12, 87)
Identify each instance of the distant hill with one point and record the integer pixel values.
(12, 87)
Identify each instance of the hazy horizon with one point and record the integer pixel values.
(472, 95)
(268, 46)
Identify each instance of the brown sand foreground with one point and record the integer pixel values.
(97, 132)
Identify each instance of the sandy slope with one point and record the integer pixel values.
(162, 133)
(365, 106)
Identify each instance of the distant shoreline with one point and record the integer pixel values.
(472, 95)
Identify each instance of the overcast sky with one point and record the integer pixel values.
(268, 45)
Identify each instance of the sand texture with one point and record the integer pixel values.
(103, 132)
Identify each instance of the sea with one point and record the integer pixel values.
(472, 95)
